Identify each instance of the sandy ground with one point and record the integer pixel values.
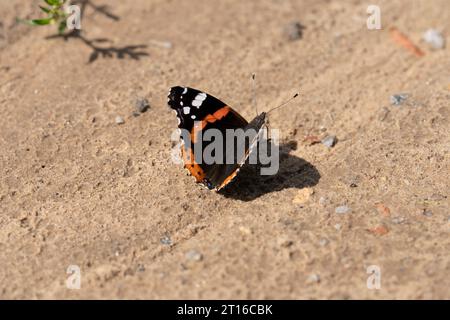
(79, 189)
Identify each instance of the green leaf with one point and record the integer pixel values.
(41, 22)
(29, 22)
(53, 2)
(46, 10)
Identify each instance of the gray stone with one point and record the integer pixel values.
(166, 240)
(342, 209)
(434, 38)
(398, 99)
(194, 255)
(119, 120)
(329, 141)
(294, 31)
(142, 105)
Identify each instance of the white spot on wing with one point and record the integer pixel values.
(197, 103)
(193, 116)
(198, 100)
(185, 90)
(186, 110)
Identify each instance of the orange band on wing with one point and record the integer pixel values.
(193, 167)
(210, 118)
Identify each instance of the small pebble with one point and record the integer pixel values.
(323, 242)
(380, 230)
(303, 196)
(294, 31)
(427, 213)
(284, 242)
(311, 140)
(142, 105)
(119, 120)
(313, 278)
(163, 44)
(434, 38)
(398, 220)
(338, 226)
(398, 99)
(167, 44)
(245, 230)
(329, 141)
(140, 268)
(383, 209)
(194, 255)
(436, 197)
(166, 240)
(323, 201)
(382, 115)
(342, 209)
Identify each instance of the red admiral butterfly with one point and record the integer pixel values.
(197, 112)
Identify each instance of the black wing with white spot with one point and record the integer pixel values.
(192, 105)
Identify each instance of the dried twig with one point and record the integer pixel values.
(405, 42)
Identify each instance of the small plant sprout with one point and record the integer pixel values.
(56, 14)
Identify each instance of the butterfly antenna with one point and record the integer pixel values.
(254, 102)
(283, 104)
